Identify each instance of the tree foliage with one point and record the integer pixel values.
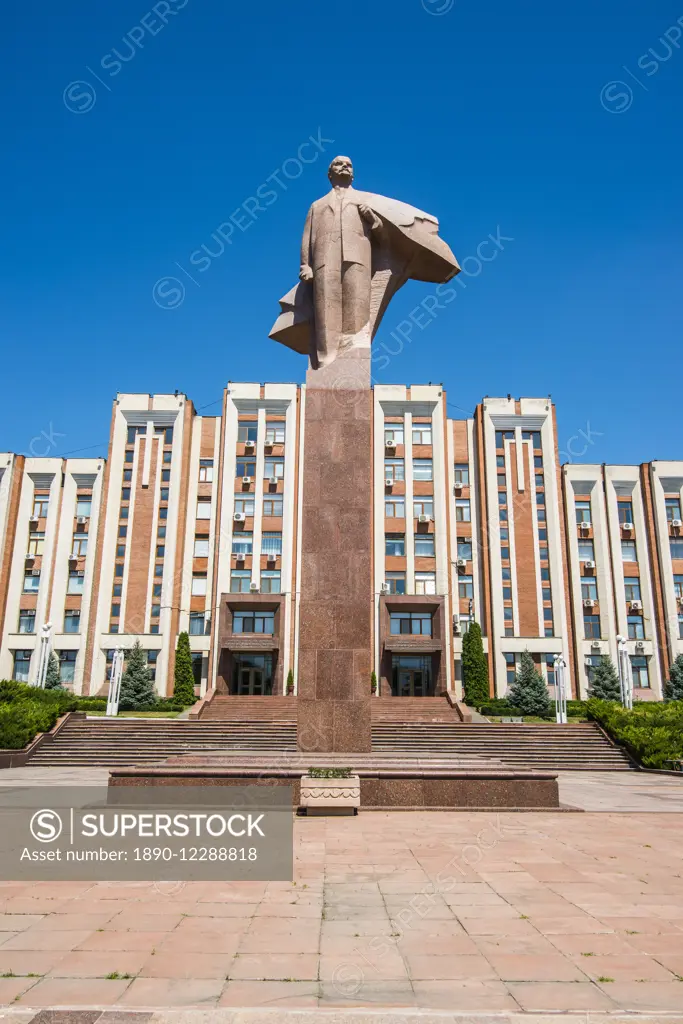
(137, 688)
(53, 679)
(475, 670)
(673, 688)
(605, 683)
(529, 691)
(183, 676)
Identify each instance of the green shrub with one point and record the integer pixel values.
(651, 732)
(673, 687)
(475, 670)
(12, 692)
(529, 690)
(605, 684)
(53, 679)
(577, 707)
(137, 688)
(91, 704)
(21, 721)
(329, 773)
(183, 676)
(500, 707)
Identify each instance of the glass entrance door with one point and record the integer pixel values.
(250, 682)
(410, 683)
(412, 676)
(252, 675)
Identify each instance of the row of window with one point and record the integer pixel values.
(625, 510)
(42, 501)
(394, 469)
(592, 629)
(240, 581)
(421, 433)
(395, 545)
(271, 468)
(22, 666)
(272, 505)
(425, 583)
(248, 431)
(243, 542)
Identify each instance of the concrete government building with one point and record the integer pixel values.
(194, 523)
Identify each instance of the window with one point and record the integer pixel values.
(641, 678)
(75, 583)
(271, 544)
(161, 532)
(123, 531)
(115, 611)
(204, 508)
(158, 570)
(117, 590)
(423, 507)
(636, 630)
(253, 622)
(198, 584)
(673, 508)
(534, 436)
(72, 621)
(31, 583)
(247, 431)
(156, 590)
(275, 432)
(129, 456)
(274, 468)
(680, 627)
(625, 509)
(27, 620)
(592, 662)
(165, 476)
(425, 583)
(80, 544)
(462, 510)
(422, 433)
(507, 614)
(545, 575)
(161, 550)
(632, 588)
(591, 627)
(166, 433)
(240, 580)
(163, 494)
(502, 480)
(168, 456)
(394, 508)
(504, 435)
(500, 461)
(545, 593)
(133, 432)
(394, 469)
(67, 666)
(197, 623)
(244, 503)
(120, 550)
(83, 506)
(154, 627)
(393, 432)
(413, 623)
(113, 627)
(464, 548)
(423, 469)
(396, 582)
(124, 512)
(273, 507)
(678, 586)
(424, 545)
(128, 476)
(583, 512)
(503, 515)
(206, 471)
(506, 573)
(465, 587)
(540, 482)
(395, 544)
(22, 664)
(543, 554)
(548, 614)
(505, 553)
(461, 473)
(540, 513)
(676, 547)
(589, 588)
(201, 547)
(118, 569)
(242, 543)
(510, 670)
(502, 498)
(270, 581)
(152, 657)
(550, 669)
(40, 504)
(36, 542)
(586, 551)
(507, 593)
(628, 551)
(245, 467)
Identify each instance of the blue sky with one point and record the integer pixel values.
(132, 135)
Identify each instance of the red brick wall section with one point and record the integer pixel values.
(17, 471)
(141, 541)
(525, 558)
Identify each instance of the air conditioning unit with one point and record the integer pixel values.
(389, 481)
(81, 572)
(456, 626)
(35, 572)
(33, 519)
(640, 646)
(627, 526)
(424, 519)
(391, 445)
(384, 588)
(272, 481)
(253, 587)
(457, 488)
(589, 602)
(636, 606)
(461, 563)
(82, 519)
(249, 444)
(239, 517)
(585, 525)
(271, 556)
(595, 646)
(73, 557)
(239, 557)
(677, 523)
(29, 556)
(246, 480)
(589, 564)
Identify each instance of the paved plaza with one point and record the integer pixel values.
(462, 912)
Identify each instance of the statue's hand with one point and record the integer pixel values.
(305, 274)
(369, 216)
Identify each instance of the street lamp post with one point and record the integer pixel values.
(560, 666)
(44, 655)
(115, 682)
(625, 674)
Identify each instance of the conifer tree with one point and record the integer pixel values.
(183, 676)
(673, 688)
(137, 688)
(475, 672)
(53, 679)
(529, 691)
(605, 683)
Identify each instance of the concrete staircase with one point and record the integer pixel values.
(250, 709)
(129, 741)
(412, 709)
(556, 747)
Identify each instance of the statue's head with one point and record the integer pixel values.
(340, 171)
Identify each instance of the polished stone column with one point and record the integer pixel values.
(335, 634)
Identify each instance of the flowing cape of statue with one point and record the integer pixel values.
(407, 247)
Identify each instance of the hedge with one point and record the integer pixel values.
(651, 732)
(21, 721)
(502, 707)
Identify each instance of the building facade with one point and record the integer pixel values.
(193, 523)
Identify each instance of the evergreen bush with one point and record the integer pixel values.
(53, 679)
(652, 732)
(605, 683)
(529, 691)
(475, 672)
(137, 688)
(183, 676)
(673, 688)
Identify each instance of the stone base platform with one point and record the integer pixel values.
(386, 780)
